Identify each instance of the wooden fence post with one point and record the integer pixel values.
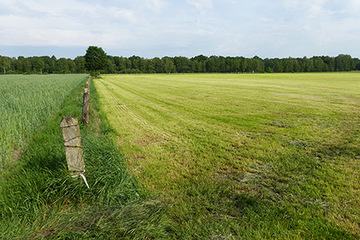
(88, 82)
(72, 142)
(86, 106)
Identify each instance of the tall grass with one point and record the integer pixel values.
(40, 200)
(25, 103)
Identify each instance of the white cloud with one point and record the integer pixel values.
(308, 8)
(156, 5)
(228, 27)
(316, 8)
(122, 14)
(69, 23)
(201, 5)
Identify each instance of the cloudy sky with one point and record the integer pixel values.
(157, 28)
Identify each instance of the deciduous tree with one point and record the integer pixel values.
(95, 59)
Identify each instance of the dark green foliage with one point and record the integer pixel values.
(41, 65)
(95, 59)
(344, 62)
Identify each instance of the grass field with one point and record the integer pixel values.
(253, 156)
(26, 101)
(38, 197)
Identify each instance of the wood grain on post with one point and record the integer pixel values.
(88, 82)
(86, 106)
(72, 141)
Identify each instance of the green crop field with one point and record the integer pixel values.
(26, 101)
(252, 156)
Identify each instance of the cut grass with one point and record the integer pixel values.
(255, 156)
(39, 199)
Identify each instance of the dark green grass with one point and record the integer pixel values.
(39, 199)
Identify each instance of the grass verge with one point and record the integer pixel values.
(39, 199)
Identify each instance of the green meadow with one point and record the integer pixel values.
(183, 156)
(250, 156)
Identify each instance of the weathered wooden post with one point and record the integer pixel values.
(88, 82)
(72, 142)
(86, 106)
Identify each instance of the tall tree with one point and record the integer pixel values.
(80, 64)
(169, 65)
(356, 63)
(343, 62)
(5, 63)
(158, 66)
(61, 66)
(95, 59)
(135, 62)
(319, 65)
(38, 64)
(182, 64)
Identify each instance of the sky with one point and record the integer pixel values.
(158, 28)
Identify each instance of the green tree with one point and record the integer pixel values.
(158, 66)
(95, 59)
(278, 65)
(215, 64)
(343, 62)
(356, 63)
(330, 63)
(38, 64)
(110, 66)
(49, 64)
(80, 64)
(5, 63)
(182, 64)
(169, 65)
(291, 65)
(243, 65)
(122, 64)
(61, 66)
(308, 64)
(319, 65)
(71, 65)
(135, 62)
(256, 64)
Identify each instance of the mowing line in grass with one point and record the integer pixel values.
(244, 155)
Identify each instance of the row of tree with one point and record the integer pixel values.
(40, 65)
(198, 64)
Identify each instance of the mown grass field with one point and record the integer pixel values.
(252, 156)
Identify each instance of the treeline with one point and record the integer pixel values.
(198, 64)
(41, 65)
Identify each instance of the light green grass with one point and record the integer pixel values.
(244, 155)
(26, 101)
